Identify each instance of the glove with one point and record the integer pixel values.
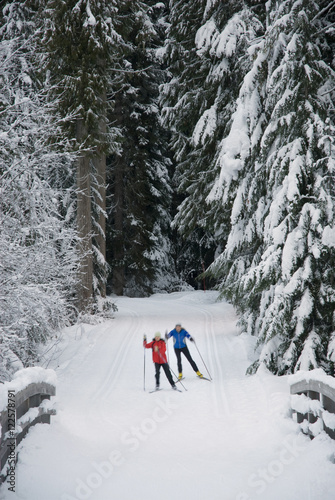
(144, 337)
(166, 335)
(191, 339)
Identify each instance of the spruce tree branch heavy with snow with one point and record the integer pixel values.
(283, 201)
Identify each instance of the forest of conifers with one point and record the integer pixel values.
(151, 146)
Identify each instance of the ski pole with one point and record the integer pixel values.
(167, 347)
(202, 359)
(179, 381)
(144, 337)
(173, 373)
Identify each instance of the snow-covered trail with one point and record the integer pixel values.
(229, 439)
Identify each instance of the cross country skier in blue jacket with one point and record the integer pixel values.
(179, 334)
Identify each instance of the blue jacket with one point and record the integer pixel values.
(179, 338)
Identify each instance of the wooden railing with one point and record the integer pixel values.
(313, 402)
(25, 407)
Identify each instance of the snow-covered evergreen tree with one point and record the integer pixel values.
(278, 164)
(80, 44)
(139, 246)
(207, 58)
(38, 264)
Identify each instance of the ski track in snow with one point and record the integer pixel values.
(218, 440)
(113, 375)
(229, 391)
(214, 366)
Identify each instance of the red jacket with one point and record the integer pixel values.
(158, 350)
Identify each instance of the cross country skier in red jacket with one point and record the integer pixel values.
(158, 347)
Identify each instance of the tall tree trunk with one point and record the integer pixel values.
(118, 277)
(84, 223)
(100, 168)
(99, 162)
(118, 172)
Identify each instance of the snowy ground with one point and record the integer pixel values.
(229, 439)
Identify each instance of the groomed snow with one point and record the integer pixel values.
(229, 439)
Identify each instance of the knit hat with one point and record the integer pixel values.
(158, 334)
(178, 324)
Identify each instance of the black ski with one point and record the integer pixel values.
(203, 378)
(156, 390)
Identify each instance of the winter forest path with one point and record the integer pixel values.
(229, 439)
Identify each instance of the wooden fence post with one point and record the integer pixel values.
(30, 406)
(313, 402)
